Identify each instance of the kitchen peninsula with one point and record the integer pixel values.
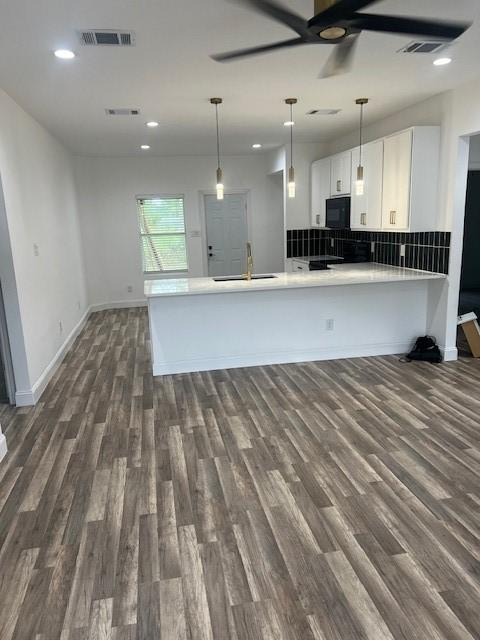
(198, 324)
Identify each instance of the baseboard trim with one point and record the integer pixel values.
(279, 357)
(119, 304)
(29, 397)
(450, 354)
(3, 445)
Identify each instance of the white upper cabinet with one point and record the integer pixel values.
(320, 184)
(410, 180)
(400, 182)
(366, 209)
(341, 174)
(397, 169)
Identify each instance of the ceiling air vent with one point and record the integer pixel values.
(122, 112)
(323, 112)
(107, 38)
(426, 46)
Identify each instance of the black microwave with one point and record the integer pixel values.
(338, 213)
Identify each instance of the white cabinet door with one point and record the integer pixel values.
(366, 209)
(320, 190)
(397, 168)
(341, 176)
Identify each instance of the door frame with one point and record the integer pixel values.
(203, 219)
(5, 353)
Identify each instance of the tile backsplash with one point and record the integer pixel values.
(428, 250)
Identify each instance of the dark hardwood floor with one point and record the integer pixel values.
(319, 501)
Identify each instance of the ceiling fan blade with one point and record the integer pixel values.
(279, 13)
(340, 59)
(411, 26)
(340, 10)
(253, 51)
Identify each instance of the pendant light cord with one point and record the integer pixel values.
(361, 129)
(291, 135)
(218, 136)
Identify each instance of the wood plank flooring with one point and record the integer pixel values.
(319, 501)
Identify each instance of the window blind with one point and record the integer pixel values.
(162, 231)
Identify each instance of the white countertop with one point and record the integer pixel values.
(337, 275)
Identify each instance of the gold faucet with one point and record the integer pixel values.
(248, 275)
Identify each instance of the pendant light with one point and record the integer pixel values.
(219, 185)
(359, 183)
(291, 170)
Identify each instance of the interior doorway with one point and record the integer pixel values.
(227, 234)
(7, 380)
(469, 297)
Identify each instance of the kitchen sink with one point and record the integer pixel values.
(229, 278)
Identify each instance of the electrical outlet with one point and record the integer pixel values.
(129, 288)
(330, 324)
(332, 242)
(402, 250)
(36, 250)
(372, 247)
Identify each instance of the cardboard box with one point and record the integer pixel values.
(471, 329)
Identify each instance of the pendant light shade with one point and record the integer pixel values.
(219, 184)
(359, 182)
(291, 182)
(291, 171)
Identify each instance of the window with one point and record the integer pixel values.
(162, 232)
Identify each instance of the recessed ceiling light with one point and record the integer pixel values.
(439, 62)
(152, 124)
(288, 123)
(64, 54)
(257, 145)
(145, 147)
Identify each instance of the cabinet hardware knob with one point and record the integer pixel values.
(339, 185)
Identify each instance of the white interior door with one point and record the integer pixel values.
(226, 222)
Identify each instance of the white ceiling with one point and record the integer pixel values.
(169, 74)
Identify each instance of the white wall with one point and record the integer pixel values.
(461, 120)
(107, 188)
(40, 208)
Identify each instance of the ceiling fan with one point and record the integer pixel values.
(339, 22)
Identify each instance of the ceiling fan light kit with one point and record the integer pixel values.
(339, 22)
